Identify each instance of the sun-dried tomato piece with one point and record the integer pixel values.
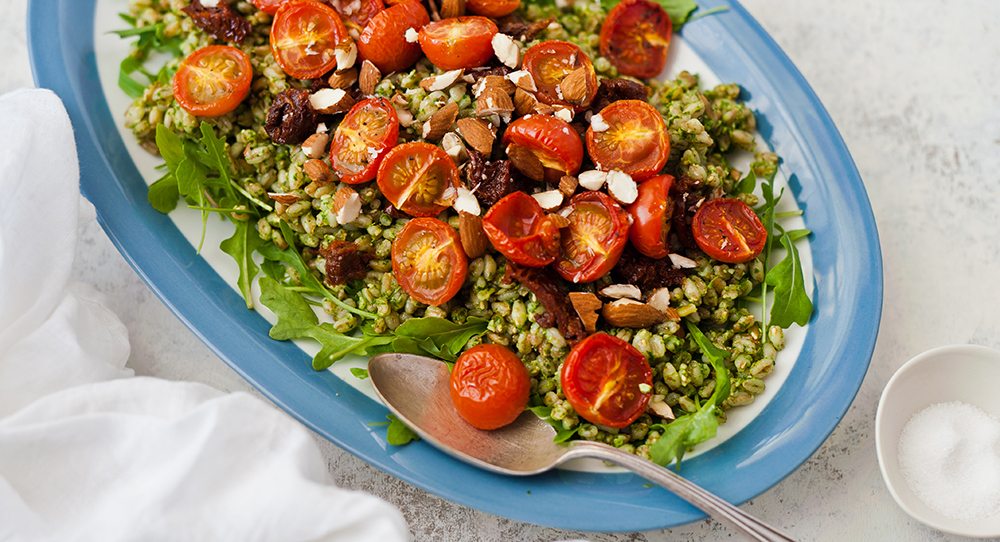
(291, 118)
(612, 90)
(686, 198)
(645, 272)
(220, 22)
(559, 312)
(344, 262)
(516, 27)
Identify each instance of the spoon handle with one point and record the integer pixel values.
(712, 505)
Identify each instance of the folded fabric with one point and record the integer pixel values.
(89, 454)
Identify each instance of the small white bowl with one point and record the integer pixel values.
(964, 373)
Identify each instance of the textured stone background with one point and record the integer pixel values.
(914, 88)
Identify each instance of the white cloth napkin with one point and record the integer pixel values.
(89, 452)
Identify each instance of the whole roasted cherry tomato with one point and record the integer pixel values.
(594, 240)
(362, 139)
(550, 62)
(357, 13)
(519, 228)
(384, 43)
(268, 6)
(458, 42)
(428, 261)
(489, 386)
(635, 139)
(602, 378)
(728, 230)
(304, 35)
(635, 37)
(213, 80)
(492, 8)
(651, 213)
(419, 179)
(552, 140)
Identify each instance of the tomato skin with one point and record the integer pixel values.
(492, 8)
(268, 6)
(635, 37)
(358, 17)
(636, 141)
(594, 240)
(383, 42)
(552, 140)
(415, 269)
(418, 178)
(489, 386)
(304, 34)
(549, 62)
(519, 228)
(728, 230)
(371, 124)
(651, 213)
(219, 68)
(601, 378)
(458, 42)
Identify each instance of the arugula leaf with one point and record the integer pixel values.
(791, 304)
(545, 413)
(241, 247)
(399, 433)
(679, 11)
(746, 185)
(296, 320)
(359, 373)
(215, 157)
(438, 337)
(163, 194)
(686, 431)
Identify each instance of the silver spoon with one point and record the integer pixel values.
(417, 390)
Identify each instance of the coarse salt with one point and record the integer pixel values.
(949, 455)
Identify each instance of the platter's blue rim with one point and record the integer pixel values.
(847, 277)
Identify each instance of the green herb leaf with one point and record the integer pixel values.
(717, 357)
(746, 185)
(241, 247)
(679, 11)
(399, 433)
(163, 194)
(791, 304)
(438, 337)
(359, 373)
(545, 413)
(215, 158)
(129, 86)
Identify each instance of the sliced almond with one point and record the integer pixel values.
(452, 8)
(526, 162)
(631, 314)
(549, 200)
(567, 185)
(466, 202)
(622, 187)
(315, 145)
(285, 199)
(493, 101)
(404, 116)
(682, 262)
(660, 408)
(440, 122)
(524, 102)
(330, 101)
(343, 79)
(660, 299)
(592, 179)
(317, 171)
(506, 50)
(346, 54)
(441, 81)
(478, 134)
(369, 78)
(452, 144)
(586, 305)
(574, 86)
(470, 231)
(619, 291)
(347, 205)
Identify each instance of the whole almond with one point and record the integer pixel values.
(478, 134)
(452, 8)
(632, 314)
(524, 102)
(526, 162)
(574, 86)
(317, 171)
(369, 78)
(346, 205)
(440, 122)
(470, 231)
(343, 79)
(493, 101)
(284, 199)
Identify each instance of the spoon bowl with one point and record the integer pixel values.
(417, 390)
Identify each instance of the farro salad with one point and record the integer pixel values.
(503, 185)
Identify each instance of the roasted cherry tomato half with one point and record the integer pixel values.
(635, 37)
(728, 230)
(458, 42)
(492, 8)
(601, 378)
(383, 42)
(428, 261)
(549, 62)
(519, 228)
(419, 179)
(594, 240)
(304, 35)
(651, 213)
(356, 13)
(635, 140)
(268, 6)
(362, 139)
(213, 80)
(552, 140)
(489, 386)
